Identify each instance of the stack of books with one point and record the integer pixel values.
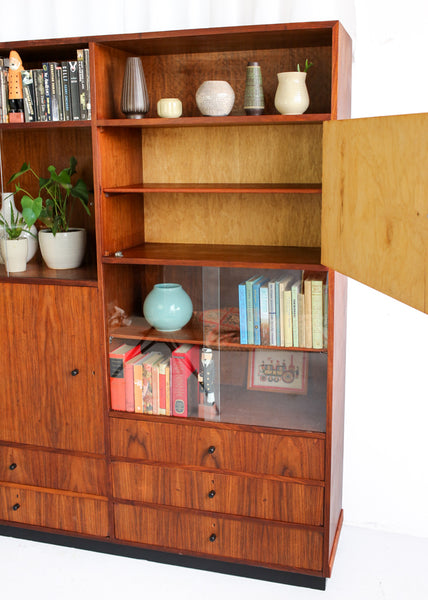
(289, 310)
(152, 382)
(57, 91)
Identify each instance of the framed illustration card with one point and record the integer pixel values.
(279, 371)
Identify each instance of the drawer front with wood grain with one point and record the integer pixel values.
(249, 540)
(286, 455)
(69, 513)
(264, 498)
(53, 470)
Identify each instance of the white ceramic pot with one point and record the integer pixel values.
(64, 250)
(14, 253)
(32, 245)
(291, 97)
(215, 98)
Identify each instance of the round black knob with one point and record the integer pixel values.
(211, 493)
(75, 372)
(16, 506)
(211, 449)
(213, 537)
(13, 466)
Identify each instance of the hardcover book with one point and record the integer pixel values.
(184, 373)
(28, 96)
(118, 357)
(147, 381)
(47, 90)
(74, 89)
(82, 84)
(39, 94)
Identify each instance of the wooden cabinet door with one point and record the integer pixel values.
(51, 391)
(375, 204)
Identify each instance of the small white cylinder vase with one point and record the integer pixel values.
(8, 202)
(14, 253)
(291, 96)
(215, 98)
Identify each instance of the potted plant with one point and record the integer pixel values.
(62, 246)
(291, 97)
(14, 243)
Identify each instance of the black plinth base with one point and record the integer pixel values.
(205, 564)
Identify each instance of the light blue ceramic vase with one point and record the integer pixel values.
(167, 307)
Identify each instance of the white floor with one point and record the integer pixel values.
(370, 565)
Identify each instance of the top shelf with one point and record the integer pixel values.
(216, 121)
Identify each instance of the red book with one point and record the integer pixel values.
(118, 358)
(163, 370)
(129, 383)
(184, 378)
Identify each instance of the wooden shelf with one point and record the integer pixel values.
(45, 125)
(38, 273)
(216, 188)
(193, 334)
(264, 257)
(216, 121)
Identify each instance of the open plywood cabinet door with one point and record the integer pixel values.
(375, 204)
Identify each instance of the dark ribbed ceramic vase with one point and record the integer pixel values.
(135, 98)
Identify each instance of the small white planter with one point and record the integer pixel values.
(14, 253)
(64, 250)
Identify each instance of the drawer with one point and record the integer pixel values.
(264, 543)
(218, 492)
(53, 470)
(57, 511)
(219, 448)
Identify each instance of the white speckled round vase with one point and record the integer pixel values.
(291, 96)
(215, 98)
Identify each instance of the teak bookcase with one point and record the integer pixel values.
(207, 202)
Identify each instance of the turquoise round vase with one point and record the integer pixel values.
(167, 307)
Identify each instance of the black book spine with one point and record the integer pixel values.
(47, 88)
(74, 90)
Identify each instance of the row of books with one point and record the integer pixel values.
(58, 91)
(288, 310)
(153, 382)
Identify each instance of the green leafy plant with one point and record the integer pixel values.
(308, 65)
(16, 226)
(54, 202)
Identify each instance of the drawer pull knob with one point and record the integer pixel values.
(213, 537)
(211, 493)
(16, 506)
(211, 449)
(75, 372)
(13, 466)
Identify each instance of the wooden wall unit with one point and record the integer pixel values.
(206, 201)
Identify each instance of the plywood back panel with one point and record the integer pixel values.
(375, 204)
(265, 154)
(254, 219)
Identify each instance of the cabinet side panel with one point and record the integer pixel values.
(375, 207)
(336, 399)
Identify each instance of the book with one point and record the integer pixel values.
(118, 357)
(147, 381)
(39, 94)
(66, 90)
(30, 113)
(47, 91)
(82, 83)
(301, 319)
(60, 90)
(272, 313)
(250, 309)
(73, 81)
(88, 83)
(163, 369)
(129, 383)
(317, 312)
(242, 303)
(285, 311)
(156, 385)
(256, 310)
(54, 92)
(264, 313)
(296, 289)
(307, 288)
(184, 383)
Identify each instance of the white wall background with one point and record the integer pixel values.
(386, 481)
